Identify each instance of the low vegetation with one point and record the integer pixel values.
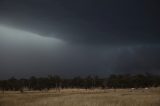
(115, 90)
(83, 97)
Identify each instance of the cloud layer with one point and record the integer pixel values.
(82, 37)
(86, 21)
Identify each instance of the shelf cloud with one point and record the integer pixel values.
(78, 37)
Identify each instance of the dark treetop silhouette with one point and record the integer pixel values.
(89, 82)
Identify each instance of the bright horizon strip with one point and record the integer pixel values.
(16, 36)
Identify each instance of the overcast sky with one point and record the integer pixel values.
(79, 37)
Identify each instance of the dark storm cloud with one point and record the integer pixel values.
(141, 59)
(87, 21)
(79, 37)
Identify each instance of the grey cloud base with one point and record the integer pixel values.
(78, 37)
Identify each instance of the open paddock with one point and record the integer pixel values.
(83, 97)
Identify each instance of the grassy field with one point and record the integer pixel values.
(80, 97)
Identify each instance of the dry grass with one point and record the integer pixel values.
(80, 97)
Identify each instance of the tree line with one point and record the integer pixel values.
(89, 82)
